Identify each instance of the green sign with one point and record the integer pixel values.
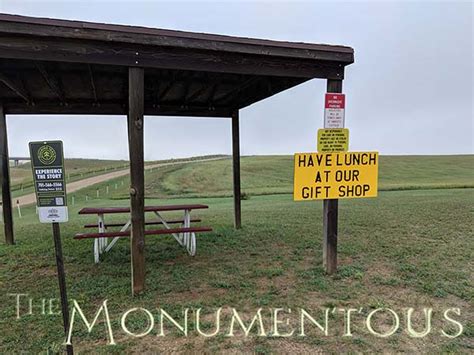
(47, 162)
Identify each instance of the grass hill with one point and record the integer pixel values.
(262, 175)
(78, 169)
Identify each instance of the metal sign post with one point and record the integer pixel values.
(47, 163)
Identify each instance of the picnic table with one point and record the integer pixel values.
(184, 235)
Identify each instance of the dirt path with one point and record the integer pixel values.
(80, 184)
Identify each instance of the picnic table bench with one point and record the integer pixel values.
(185, 234)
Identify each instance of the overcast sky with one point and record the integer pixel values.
(410, 90)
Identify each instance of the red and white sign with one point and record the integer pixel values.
(334, 110)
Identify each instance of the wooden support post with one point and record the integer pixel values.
(5, 179)
(62, 282)
(330, 211)
(137, 181)
(236, 169)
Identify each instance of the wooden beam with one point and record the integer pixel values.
(52, 82)
(5, 180)
(330, 213)
(236, 169)
(112, 108)
(137, 182)
(15, 88)
(125, 54)
(30, 26)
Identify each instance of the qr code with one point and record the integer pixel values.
(59, 201)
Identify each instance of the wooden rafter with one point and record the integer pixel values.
(165, 91)
(17, 89)
(195, 94)
(260, 95)
(52, 82)
(240, 88)
(92, 81)
(212, 92)
(185, 94)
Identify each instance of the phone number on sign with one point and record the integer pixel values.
(50, 184)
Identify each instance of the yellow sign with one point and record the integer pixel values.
(333, 140)
(321, 176)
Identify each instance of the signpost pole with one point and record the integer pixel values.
(62, 281)
(330, 211)
(5, 180)
(47, 165)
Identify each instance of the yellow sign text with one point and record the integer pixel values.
(321, 176)
(333, 140)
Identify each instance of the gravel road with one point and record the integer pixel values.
(80, 184)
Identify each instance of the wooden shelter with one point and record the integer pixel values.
(50, 66)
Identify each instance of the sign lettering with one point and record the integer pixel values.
(333, 140)
(47, 162)
(334, 110)
(321, 176)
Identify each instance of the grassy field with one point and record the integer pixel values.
(78, 169)
(22, 173)
(402, 249)
(274, 175)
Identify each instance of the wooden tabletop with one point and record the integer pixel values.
(107, 210)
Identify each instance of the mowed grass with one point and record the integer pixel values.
(402, 249)
(274, 174)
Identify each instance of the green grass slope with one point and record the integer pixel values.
(78, 169)
(263, 175)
